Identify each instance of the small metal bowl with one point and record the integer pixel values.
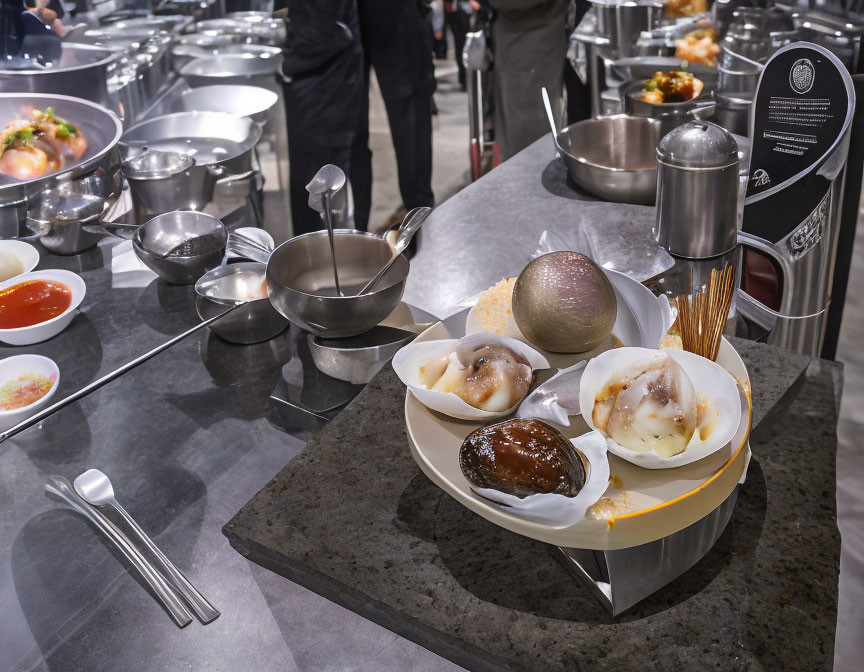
(202, 236)
(219, 289)
(613, 157)
(300, 277)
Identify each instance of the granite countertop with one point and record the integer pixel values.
(354, 519)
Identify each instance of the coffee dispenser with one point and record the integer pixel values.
(800, 132)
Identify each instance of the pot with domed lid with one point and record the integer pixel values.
(697, 191)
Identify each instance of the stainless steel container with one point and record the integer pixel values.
(83, 71)
(697, 191)
(255, 321)
(621, 22)
(733, 112)
(162, 182)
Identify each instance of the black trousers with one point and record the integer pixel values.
(459, 23)
(411, 129)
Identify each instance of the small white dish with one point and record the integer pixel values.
(37, 333)
(24, 252)
(16, 366)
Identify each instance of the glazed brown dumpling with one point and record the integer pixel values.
(522, 457)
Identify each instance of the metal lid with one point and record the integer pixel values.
(698, 144)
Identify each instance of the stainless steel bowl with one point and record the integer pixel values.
(245, 101)
(211, 137)
(300, 282)
(205, 239)
(255, 321)
(230, 69)
(357, 360)
(613, 157)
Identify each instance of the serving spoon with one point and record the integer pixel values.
(410, 225)
(95, 488)
(323, 186)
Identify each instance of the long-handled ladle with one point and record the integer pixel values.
(323, 186)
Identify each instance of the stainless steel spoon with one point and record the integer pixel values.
(410, 225)
(61, 488)
(96, 489)
(327, 182)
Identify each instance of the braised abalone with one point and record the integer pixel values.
(522, 457)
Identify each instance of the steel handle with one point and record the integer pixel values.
(239, 177)
(60, 487)
(205, 611)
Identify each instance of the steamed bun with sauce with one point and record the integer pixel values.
(649, 406)
(563, 302)
(10, 266)
(482, 372)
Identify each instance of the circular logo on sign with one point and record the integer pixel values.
(802, 75)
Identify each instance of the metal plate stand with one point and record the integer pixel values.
(621, 578)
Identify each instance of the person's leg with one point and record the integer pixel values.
(411, 128)
(361, 165)
(459, 26)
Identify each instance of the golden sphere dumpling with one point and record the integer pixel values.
(563, 302)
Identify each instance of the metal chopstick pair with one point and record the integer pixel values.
(168, 591)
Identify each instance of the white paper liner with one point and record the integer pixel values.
(407, 363)
(710, 381)
(559, 509)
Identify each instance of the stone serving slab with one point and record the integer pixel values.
(353, 519)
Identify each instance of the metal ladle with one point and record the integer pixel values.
(327, 182)
(410, 225)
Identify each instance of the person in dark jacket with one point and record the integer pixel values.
(530, 47)
(323, 82)
(397, 42)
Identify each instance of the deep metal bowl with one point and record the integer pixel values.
(184, 54)
(230, 69)
(300, 277)
(198, 134)
(244, 101)
(613, 157)
(253, 322)
(631, 95)
(206, 236)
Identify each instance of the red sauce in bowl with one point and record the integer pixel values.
(33, 302)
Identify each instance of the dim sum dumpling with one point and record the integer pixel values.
(648, 406)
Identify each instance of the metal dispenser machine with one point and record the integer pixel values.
(800, 133)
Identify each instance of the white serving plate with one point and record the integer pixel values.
(26, 253)
(18, 365)
(659, 502)
(50, 328)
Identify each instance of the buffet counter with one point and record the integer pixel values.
(186, 441)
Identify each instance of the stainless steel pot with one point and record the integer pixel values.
(231, 69)
(613, 157)
(245, 101)
(59, 216)
(213, 138)
(621, 22)
(733, 112)
(183, 54)
(83, 71)
(670, 114)
(101, 161)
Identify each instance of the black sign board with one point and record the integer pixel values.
(802, 111)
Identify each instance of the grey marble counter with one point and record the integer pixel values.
(354, 518)
(490, 229)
